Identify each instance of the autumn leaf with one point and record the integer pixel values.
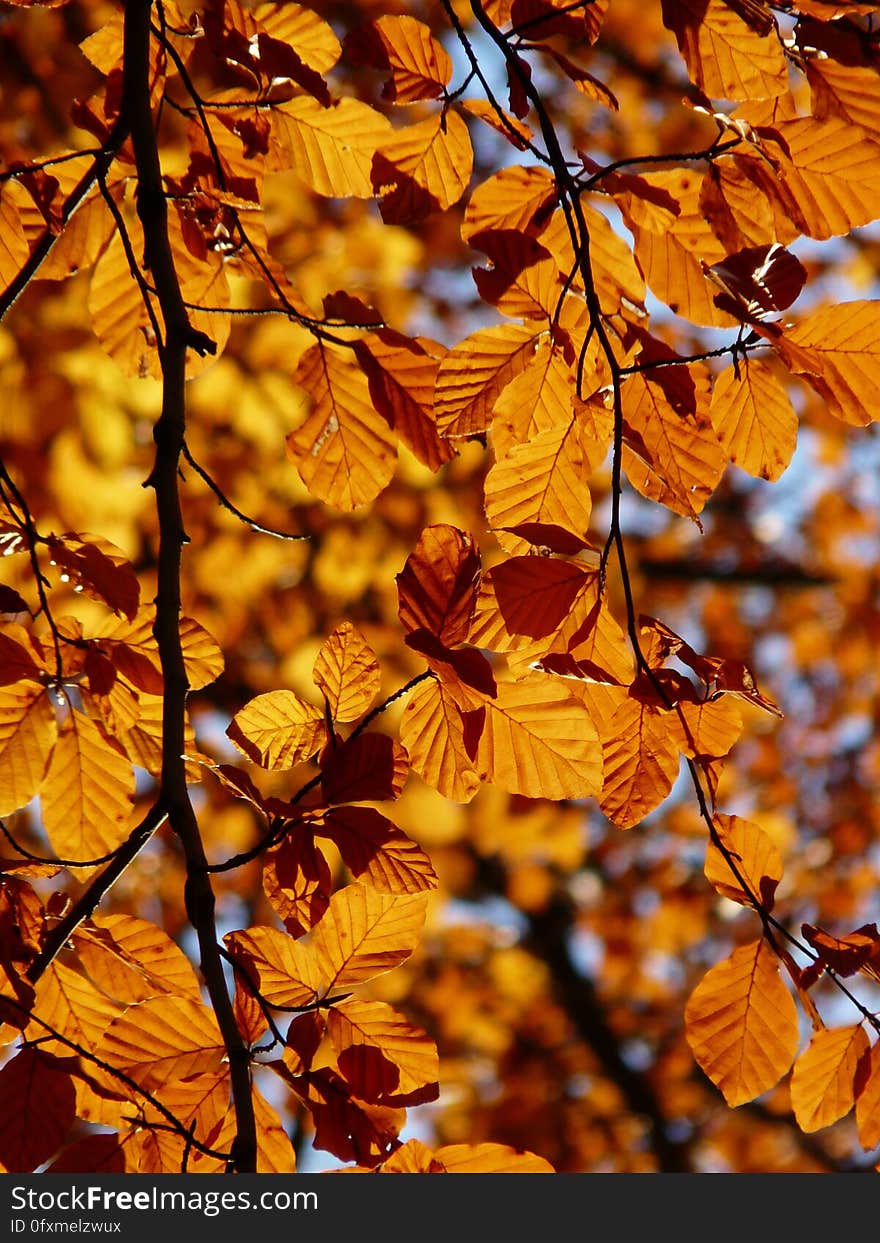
(366, 933)
(38, 1110)
(383, 1057)
(344, 451)
(437, 586)
(27, 736)
(277, 730)
(822, 1081)
(755, 856)
(424, 167)
(164, 1039)
(419, 65)
(741, 1024)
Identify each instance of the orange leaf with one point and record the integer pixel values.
(131, 959)
(38, 1106)
(437, 587)
(344, 451)
(640, 760)
(401, 375)
(539, 741)
(754, 420)
(433, 731)
(756, 857)
(420, 66)
(490, 1159)
(277, 730)
(383, 1057)
(297, 881)
(378, 853)
(331, 149)
(422, 168)
(346, 672)
(73, 1006)
(275, 1153)
(868, 1099)
(837, 351)
(366, 933)
(27, 736)
(87, 793)
(542, 484)
(366, 767)
(473, 375)
(285, 971)
(822, 1082)
(726, 57)
(706, 730)
(741, 1024)
(162, 1040)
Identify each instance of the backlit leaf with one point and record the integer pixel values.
(473, 374)
(86, 795)
(539, 741)
(366, 933)
(164, 1039)
(377, 853)
(490, 1159)
(37, 1110)
(741, 1024)
(437, 587)
(286, 972)
(822, 1081)
(346, 672)
(419, 65)
(433, 731)
(382, 1056)
(837, 351)
(640, 762)
(332, 149)
(27, 736)
(755, 855)
(726, 57)
(754, 419)
(278, 729)
(422, 168)
(344, 451)
(868, 1099)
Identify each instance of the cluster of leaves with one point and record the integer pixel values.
(403, 656)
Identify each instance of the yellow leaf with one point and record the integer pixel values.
(86, 796)
(538, 740)
(420, 66)
(311, 36)
(827, 175)
(383, 1057)
(756, 857)
(286, 972)
(707, 729)
(515, 198)
(27, 736)
(332, 149)
(344, 451)
(164, 1039)
(539, 399)
(73, 1006)
(837, 351)
(472, 376)
(346, 672)
(741, 1024)
(670, 455)
(640, 761)
(378, 853)
(432, 731)
(131, 959)
(118, 314)
(423, 167)
(278, 729)
(490, 1159)
(14, 248)
(541, 482)
(275, 1153)
(726, 57)
(822, 1081)
(868, 1100)
(754, 419)
(365, 933)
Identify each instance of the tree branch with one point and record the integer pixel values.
(169, 434)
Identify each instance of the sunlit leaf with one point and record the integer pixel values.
(753, 853)
(278, 729)
(38, 1110)
(332, 149)
(365, 933)
(344, 451)
(741, 1024)
(822, 1082)
(86, 795)
(422, 168)
(437, 587)
(27, 736)
(164, 1039)
(539, 741)
(382, 1056)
